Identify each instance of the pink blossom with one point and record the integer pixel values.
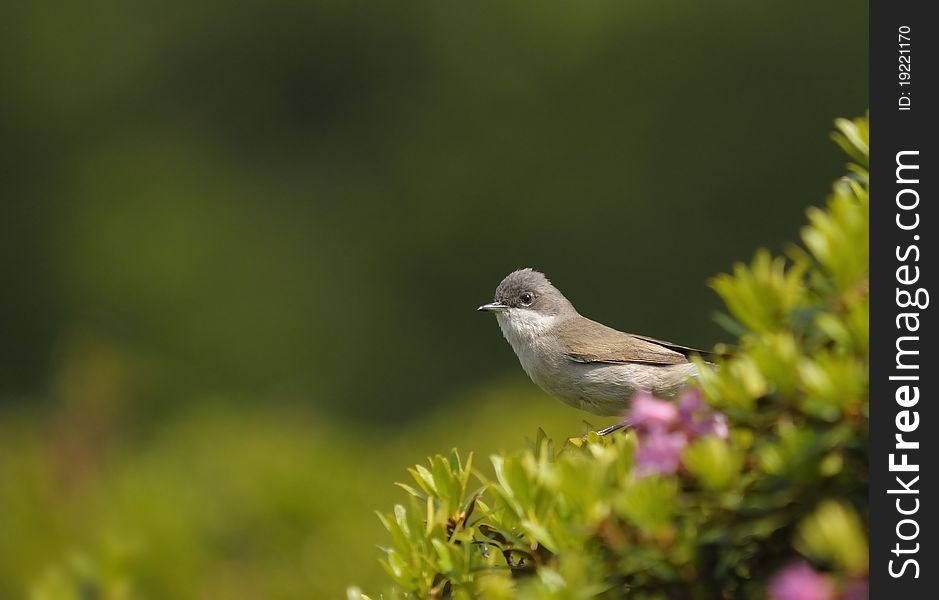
(648, 412)
(799, 581)
(690, 402)
(697, 418)
(856, 590)
(718, 426)
(660, 452)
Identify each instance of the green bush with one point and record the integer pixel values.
(774, 506)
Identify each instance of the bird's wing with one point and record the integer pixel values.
(592, 342)
(686, 350)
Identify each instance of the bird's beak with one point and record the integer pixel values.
(493, 307)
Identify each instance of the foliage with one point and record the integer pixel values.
(778, 504)
(211, 503)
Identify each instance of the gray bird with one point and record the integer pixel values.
(585, 364)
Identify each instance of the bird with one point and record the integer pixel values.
(584, 363)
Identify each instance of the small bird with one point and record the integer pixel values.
(585, 364)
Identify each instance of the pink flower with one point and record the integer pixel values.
(660, 452)
(647, 412)
(856, 590)
(690, 402)
(799, 581)
(697, 418)
(664, 429)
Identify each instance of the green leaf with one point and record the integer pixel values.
(713, 462)
(834, 532)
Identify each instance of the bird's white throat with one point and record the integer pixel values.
(522, 327)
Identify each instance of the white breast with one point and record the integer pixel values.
(524, 330)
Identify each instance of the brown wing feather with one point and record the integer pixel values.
(587, 341)
(686, 350)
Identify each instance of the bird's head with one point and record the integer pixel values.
(527, 294)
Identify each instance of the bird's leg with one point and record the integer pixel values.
(624, 424)
(610, 429)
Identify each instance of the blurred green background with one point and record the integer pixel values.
(242, 244)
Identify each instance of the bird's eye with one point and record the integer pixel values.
(526, 298)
